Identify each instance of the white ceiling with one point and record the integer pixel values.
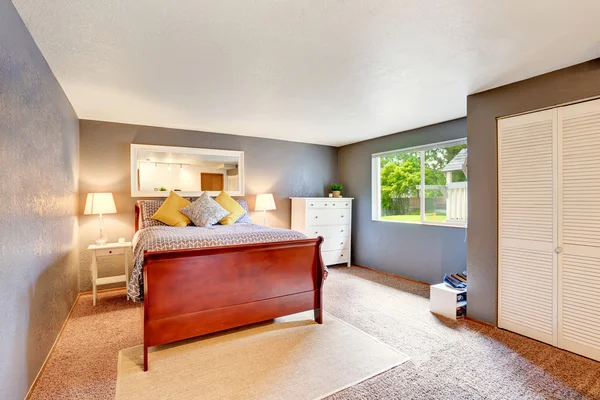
(318, 71)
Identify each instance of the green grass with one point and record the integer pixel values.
(415, 218)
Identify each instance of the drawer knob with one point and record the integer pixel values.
(341, 243)
(110, 252)
(311, 204)
(325, 204)
(342, 216)
(316, 216)
(316, 232)
(341, 255)
(333, 204)
(341, 231)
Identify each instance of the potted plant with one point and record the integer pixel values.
(337, 190)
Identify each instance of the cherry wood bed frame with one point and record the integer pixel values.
(194, 292)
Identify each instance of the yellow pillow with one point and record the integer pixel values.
(169, 213)
(234, 208)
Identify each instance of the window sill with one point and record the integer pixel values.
(448, 225)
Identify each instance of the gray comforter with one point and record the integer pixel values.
(158, 238)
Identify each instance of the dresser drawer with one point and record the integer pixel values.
(317, 217)
(316, 231)
(333, 243)
(317, 204)
(338, 217)
(339, 204)
(109, 252)
(335, 256)
(339, 231)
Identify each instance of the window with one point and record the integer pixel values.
(425, 184)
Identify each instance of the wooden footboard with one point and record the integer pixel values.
(189, 293)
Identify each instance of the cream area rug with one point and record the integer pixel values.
(289, 358)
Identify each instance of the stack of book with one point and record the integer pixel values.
(456, 281)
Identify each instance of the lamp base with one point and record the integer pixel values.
(102, 239)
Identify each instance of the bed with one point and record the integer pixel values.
(194, 281)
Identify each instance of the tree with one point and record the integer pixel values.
(401, 174)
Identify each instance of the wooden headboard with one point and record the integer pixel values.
(137, 217)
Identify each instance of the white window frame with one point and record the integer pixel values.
(376, 182)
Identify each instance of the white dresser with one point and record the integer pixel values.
(327, 217)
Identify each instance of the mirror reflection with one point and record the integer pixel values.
(191, 171)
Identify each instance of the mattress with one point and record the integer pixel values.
(160, 238)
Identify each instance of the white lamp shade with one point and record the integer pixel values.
(264, 202)
(100, 203)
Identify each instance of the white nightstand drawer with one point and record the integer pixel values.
(335, 243)
(110, 252)
(335, 256)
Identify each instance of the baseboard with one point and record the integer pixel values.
(394, 275)
(103, 291)
(37, 377)
(478, 321)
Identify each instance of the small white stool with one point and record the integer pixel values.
(109, 249)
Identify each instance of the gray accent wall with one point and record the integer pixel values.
(271, 166)
(571, 84)
(420, 252)
(39, 140)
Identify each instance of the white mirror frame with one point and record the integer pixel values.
(183, 150)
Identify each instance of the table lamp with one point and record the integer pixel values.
(100, 203)
(264, 202)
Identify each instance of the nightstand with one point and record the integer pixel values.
(109, 249)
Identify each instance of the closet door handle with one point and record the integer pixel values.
(559, 250)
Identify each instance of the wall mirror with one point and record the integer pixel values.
(156, 170)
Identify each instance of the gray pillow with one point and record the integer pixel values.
(244, 219)
(147, 210)
(204, 211)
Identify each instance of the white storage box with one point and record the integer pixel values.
(446, 301)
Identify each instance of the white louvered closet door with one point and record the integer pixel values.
(579, 229)
(527, 262)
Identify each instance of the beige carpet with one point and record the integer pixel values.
(449, 360)
(291, 358)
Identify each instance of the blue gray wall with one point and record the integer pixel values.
(578, 82)
(39, 140)
(271, 166)
(414, 251)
